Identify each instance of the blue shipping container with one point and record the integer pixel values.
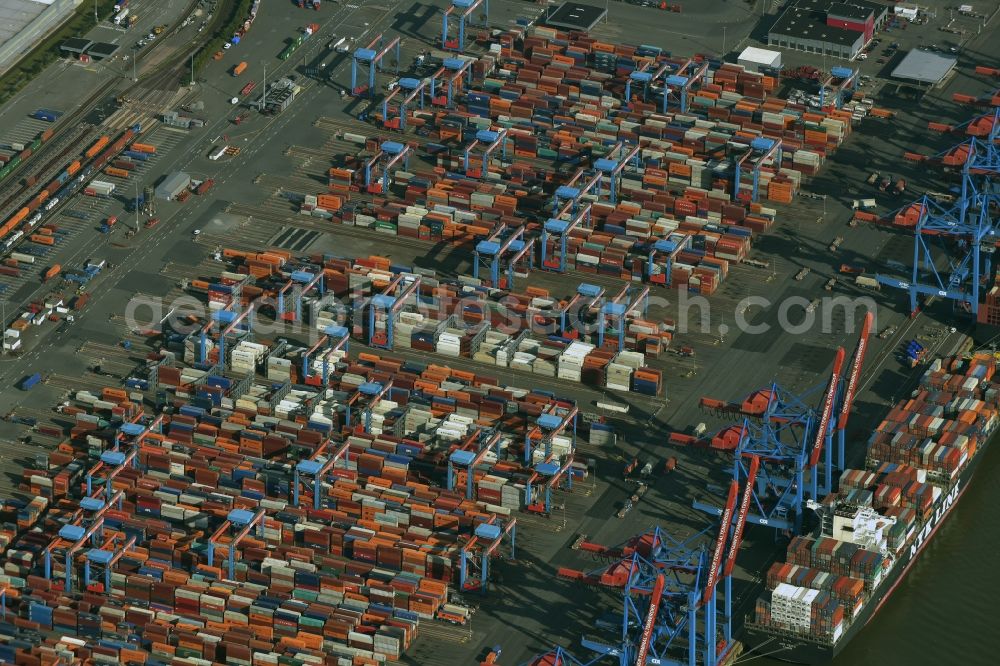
(29, 382)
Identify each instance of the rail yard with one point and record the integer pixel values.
(488, 332)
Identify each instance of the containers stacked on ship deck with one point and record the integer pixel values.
(881, 515)
(801, 610)
(940, 428)
(348, 573)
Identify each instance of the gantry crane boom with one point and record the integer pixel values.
(741, 517)
(647, 628)
(720, 542)
(828, 403)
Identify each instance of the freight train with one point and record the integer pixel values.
(76, 173)
(920, 460)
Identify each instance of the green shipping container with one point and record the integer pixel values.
(36, 144)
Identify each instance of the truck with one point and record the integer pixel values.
(121, 16)
(30, 381)
(240, 68)
(204, 187)
(801, 275)
(866, 282)
(248, 88)
(872, 179)
(51, 272)
(899, 187)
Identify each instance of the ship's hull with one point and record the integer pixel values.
(786, 646)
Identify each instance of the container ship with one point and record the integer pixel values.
(919, 462)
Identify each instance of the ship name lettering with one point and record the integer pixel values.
(942, 511)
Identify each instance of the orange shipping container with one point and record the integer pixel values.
(52, 272)
(42, 240)
(143, 148)
(329, 201)
(98, 146)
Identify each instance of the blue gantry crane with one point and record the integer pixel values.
(516, 262)
(370, 394)
(391, 301)
(308, 281)
(841, 84)
(616, 310)
(546, 477)
(549, 425)
(334, 339)
(284, 310)
(455, 73)
(607, 168)
(87, 523)
(788, 437)
(486, 143)
(661, 257)
(493, 250)
(379, 168)
(474, 558)
(238, 326)
(238, 524)
(677, 84)
(134, 431)
(578, 307)
(371, 56)
(561, 229)
(968, 225)
(670, 611)
(469, 454)
(410, 90)
(761, 152)
(317, 467)
(463, 11)
(570, 193)
(106, 557)
(613, 164)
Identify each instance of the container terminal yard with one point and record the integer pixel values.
(445, 332)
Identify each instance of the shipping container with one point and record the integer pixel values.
(30, 381)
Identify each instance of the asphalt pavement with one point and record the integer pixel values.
(529, 610)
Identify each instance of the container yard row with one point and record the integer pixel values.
(260, 519)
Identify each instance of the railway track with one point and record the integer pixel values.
(74, 120)
(69, 144)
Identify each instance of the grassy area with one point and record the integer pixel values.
(229, 17)
(47, 51)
